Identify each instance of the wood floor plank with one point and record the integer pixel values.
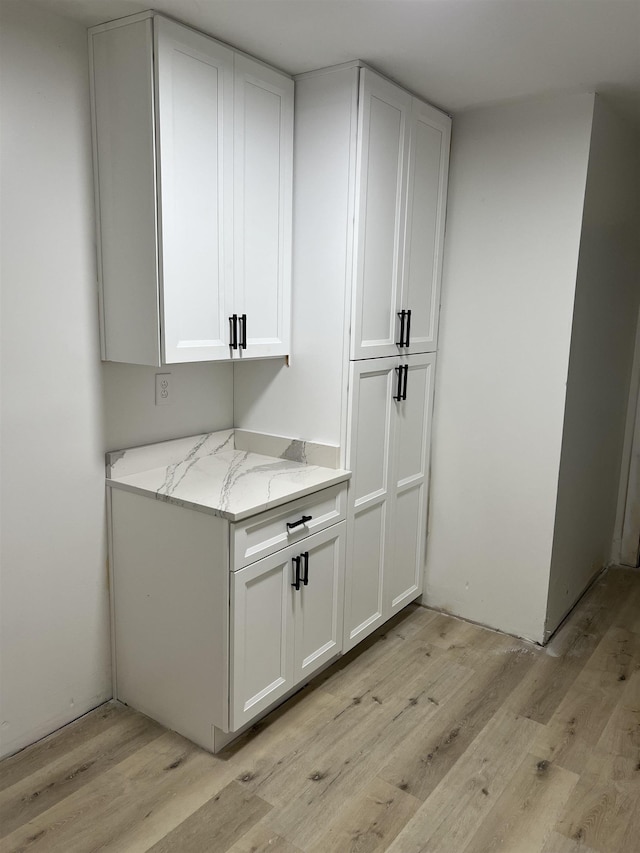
(562, 661)
(602, 816)
(361, 729)
(50, 749)
(557, 843)
(389, 678)
(574, 730)
(313, 787)
(469, 644)
(217, 824)
(617, 754)
(628, 613)
(452, 812)
(599, 609)
(378, 658)
(544, 687)
(427, 755)
(122, 797)
(72, 770)
(261, 839)
(370, 822)
(522, 817)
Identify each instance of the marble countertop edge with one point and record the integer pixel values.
(340, 476)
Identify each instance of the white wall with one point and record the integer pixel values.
(307, 399)
(55, 638)
(600, 363)
(516, 192)
(54, 629)
(201, 401)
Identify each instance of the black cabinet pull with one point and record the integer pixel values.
(233, 331)
(405, 328)
(291, 525)
(402, 315)
(403, 373)
(296, 565)
(243, 331)
(400, 372)
(305, 575)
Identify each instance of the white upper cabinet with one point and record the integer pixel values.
(383, 145)
(401, 185)
(194, 113)
(193, 157)
(262, 176)
(430, 137)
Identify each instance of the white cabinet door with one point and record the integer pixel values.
(424, 231)
(404, 565)
(388, 452)
(262, 636)
(286, 621)
(373, 385)
(262, 188)
(194, 99)
(383, 141)
(319, 601)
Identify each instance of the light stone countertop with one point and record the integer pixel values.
(221, 473)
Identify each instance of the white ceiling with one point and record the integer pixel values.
(456, 54)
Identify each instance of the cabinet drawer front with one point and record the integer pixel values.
(267, 533)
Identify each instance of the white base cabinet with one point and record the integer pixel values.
(388, 450)
(205, 649)
(286, 621)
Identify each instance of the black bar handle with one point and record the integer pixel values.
(233, 331)
(305, 560)
(291, 525)
(407, 339)
(296, 566)
(402, 315)
(243, 331)
(406, 376)
(400, 373)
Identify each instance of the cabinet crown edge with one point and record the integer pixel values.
(151, 14)
(360, 63)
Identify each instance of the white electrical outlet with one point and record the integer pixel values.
(163, 389)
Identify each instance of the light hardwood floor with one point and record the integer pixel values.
(437, 735)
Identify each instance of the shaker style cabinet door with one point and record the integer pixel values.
(319, 601)
(401, 189)
(405, 563)
(194, 103)
(262, 636)
(424, 230)
(286, 621)
(388, 451)
(383, 142)
(262, 178)
(369, 454)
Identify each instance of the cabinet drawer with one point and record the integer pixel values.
(263, 534)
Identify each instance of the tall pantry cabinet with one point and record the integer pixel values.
(371, 164)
